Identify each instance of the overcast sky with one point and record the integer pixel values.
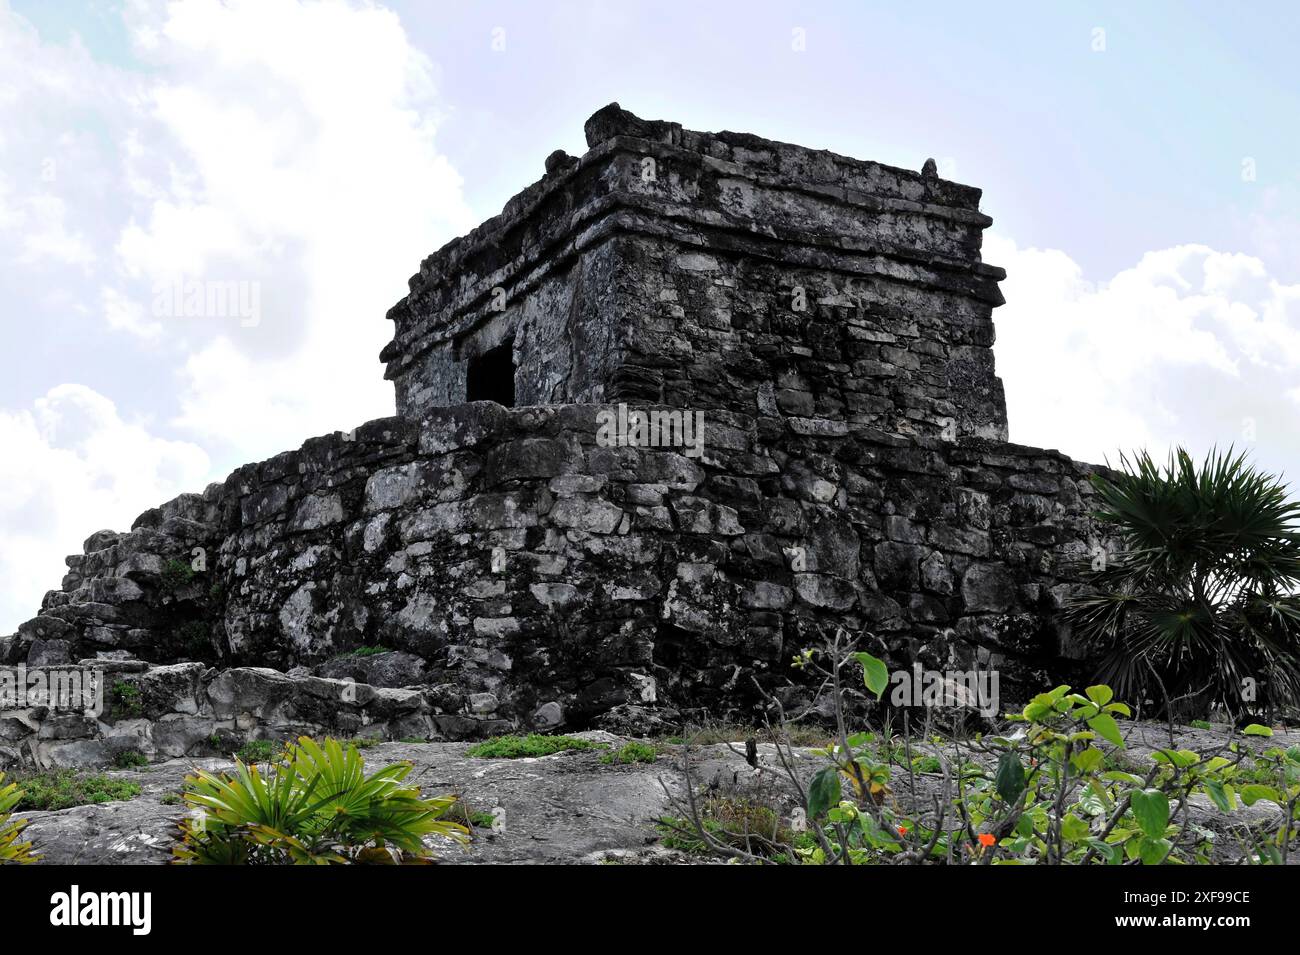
(1140, 161)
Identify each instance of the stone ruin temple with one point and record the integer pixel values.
(828, 319)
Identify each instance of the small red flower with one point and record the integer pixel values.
(987, 839)
(902, 830)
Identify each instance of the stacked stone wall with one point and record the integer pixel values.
(539, 578)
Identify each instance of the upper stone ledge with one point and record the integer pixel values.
(785, 159)
(603, 180)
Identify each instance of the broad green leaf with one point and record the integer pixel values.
(1119, 776)
(1101, 695)
(1269, 853)
(1036, 710)
(1088, 759)
(1255, 729)
(1253, 793)
(1152, 851)
(1214, 789)
(1105, 726)
(1095, 800)
(1108, 852)
(823, 791)
(874, 673)
(1151, 810)
(1010, 778)
(1178, 758)
(1074, 829)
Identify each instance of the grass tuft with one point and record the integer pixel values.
(534, 744)
(633, 752)
(64, 788)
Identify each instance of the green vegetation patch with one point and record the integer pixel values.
(130, 759)
(632, 753)
(534, 744)
(176, 574)
(259, 751)
(464, 814)
(737, 821)
(126, 699)
(65, 788)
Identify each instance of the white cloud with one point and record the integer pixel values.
(284, 145)
(46, 233)
(1189, 346)
(70, 466)
(301, 157)
(127, 314)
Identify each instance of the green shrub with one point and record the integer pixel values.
(927, 764)
(633, 752)
(176, 574)
(130, 759)
(534, 744)
(739, 821)
(11, 850)
(1056, 786)
(259, 751)
(1205, 593)
(462, 813)
(1048, 797)
(370, 651)
(127, 701)
(317, 807)
(64, 788)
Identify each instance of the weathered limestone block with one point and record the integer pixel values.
(394, 669)
(47, 653)
(317, 511)
(180, 734)
(169, 689)
(988, 587)
(258, 691)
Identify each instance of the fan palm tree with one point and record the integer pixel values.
(1200, 607)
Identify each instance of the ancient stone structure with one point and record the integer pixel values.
(717, 272)
(817, 330)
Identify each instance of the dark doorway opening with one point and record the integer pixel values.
(491, 375)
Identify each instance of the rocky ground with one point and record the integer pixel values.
(566, 808)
